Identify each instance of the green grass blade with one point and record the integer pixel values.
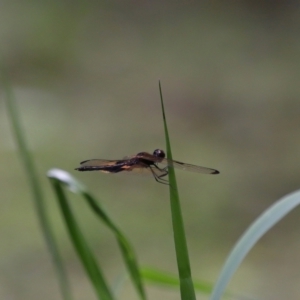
(260, 226)
(164, 278)
(161, 278)
(87, 258)
(128, 254)
(38, 197)
(186, 284)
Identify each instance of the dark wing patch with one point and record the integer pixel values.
(99, 162)
(104, 165)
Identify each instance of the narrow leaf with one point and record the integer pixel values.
(128, 254)
(164, 278)
(38, 197)
(186, 284)
(87, 258)
(260, 226)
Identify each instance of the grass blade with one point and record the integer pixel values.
(38, 197)
(164, 278)
(260, 226)
(87, 258)
(128, 254)
(186, 284)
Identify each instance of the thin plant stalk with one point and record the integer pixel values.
(38, 197)
(187, 290)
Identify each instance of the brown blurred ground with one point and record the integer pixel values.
(86, 78)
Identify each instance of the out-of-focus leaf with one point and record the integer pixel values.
(87, 258)
(38, 197)
(260, 226)
(128, 254)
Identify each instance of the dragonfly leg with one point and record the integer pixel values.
(158, 177)
(165, 170)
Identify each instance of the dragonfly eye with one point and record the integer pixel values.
(159, 153)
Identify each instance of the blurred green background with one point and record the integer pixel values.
(85, 75)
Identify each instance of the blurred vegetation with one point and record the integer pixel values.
(85, 75)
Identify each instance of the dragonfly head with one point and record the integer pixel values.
(159, 153)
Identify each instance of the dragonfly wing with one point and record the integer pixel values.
(188, 167)
(98, 162)
(101, 165)
(142, 169)
(149, 157)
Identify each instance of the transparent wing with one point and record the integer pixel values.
(188, 167)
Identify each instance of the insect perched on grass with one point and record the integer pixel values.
(142, 161)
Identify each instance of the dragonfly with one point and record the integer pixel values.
(143, 161)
